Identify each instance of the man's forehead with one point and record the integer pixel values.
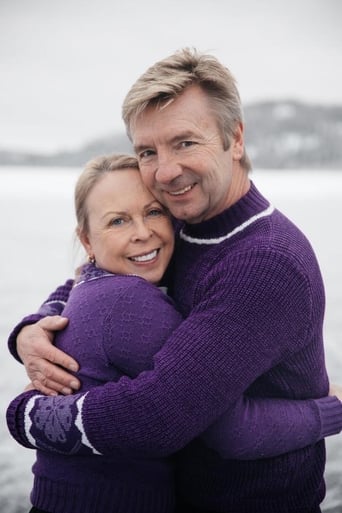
(175, 121)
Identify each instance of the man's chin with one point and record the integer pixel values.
(189, 217)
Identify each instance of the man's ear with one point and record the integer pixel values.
(238, 142)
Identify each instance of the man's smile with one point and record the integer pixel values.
(180, 192)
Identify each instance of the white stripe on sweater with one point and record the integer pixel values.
(238, 229)
(27, 419)
(79, 425)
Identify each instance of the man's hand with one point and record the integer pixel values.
(43, 361)
(29, 387)
(336, 390)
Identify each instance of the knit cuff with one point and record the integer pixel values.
(15, 417)
(12, 339)
(330, 412)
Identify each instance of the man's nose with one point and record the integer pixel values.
(168, 169)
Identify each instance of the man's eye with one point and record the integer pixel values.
(146, 154)
(187, 144)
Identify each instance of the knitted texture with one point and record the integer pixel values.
(116, 325)
(250, 286)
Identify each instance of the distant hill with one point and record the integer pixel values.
(69, 158)
(291, 134)
(286, 134)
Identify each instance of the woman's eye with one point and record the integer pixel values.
(118, 221)
(155, 212)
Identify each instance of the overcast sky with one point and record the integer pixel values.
(66, 65)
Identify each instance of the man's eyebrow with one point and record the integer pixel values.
(140, 147)
(181, 136)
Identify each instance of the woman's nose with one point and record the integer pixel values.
(141, 231)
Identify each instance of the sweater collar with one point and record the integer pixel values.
(90, 272)
(251, 207)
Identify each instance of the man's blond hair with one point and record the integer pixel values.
(168, 78)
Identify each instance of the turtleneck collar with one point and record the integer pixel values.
(248, 209)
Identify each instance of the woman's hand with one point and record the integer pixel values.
(44, 363)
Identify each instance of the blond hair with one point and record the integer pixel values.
(168, 78)
(92, 173)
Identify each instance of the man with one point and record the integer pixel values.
(249, 285)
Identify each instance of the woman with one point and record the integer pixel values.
(118, 320)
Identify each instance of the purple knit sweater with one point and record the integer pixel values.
(117, 324)
(250, 287)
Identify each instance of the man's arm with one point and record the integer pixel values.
(286, 425)
(255, 428)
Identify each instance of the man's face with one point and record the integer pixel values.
(182, 159)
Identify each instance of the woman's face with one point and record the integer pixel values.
(130, 232)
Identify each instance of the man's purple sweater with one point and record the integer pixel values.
(249, 285)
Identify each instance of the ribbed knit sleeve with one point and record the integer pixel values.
(263, 428)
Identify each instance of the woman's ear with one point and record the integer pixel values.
(84, 240)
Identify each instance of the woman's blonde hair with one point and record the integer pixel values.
(168, 78)
(92, 173)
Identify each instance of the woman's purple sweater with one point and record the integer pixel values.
(249, 285)
(116, 325)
